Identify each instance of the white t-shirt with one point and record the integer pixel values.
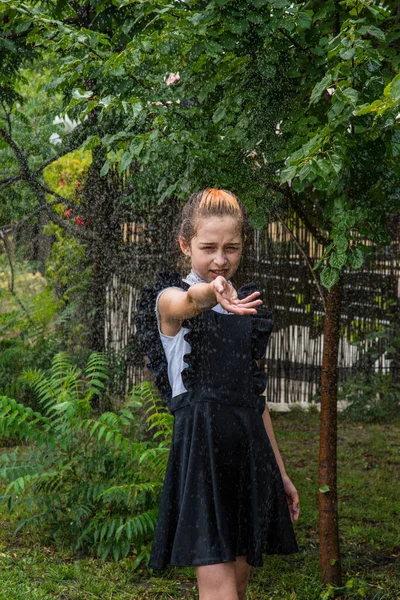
(175, 346)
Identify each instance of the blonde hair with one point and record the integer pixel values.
(211, 202)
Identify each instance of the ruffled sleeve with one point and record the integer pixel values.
(147, 329)
(261, 328)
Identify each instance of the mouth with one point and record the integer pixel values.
(216, 273)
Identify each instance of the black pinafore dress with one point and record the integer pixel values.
(223, 494)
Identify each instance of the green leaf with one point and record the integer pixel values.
(219, 114)
(374, 31)
(395, 88)
(81, 95)
(135, 147)
(329, 276)
(356, 258)
(125, 162)
(91, 142)
(351, 95)
(341, 244)
(336, 162)
(347, 54)
(305, 20)
(8, 45)
(105, 168)
(288, 173)
(324, 489)
(319, 88)
(278, 3)
(338, 260)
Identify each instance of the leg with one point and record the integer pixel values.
(242, 572)
(217, 582)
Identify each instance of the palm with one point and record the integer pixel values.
(229, 300)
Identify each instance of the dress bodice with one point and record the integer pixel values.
(224, 347)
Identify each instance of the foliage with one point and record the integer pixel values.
(372, 395)
(90, 480)
(28, 334)
(67, 176)
(285, 103)
(375, 399)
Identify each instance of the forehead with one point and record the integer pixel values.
(218, 229)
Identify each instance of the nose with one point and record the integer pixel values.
(220, 260)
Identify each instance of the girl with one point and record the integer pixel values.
(227, 499)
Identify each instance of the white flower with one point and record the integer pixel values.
(172, 78)
(58, 120)
(330, 91)
(278, 128)
(69, 125)
(55, 139)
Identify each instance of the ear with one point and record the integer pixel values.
(185, 247)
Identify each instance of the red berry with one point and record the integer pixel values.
(68, 213)
(79, 221)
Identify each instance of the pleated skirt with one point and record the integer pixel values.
(223, 494)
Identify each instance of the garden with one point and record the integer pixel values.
(111, 114)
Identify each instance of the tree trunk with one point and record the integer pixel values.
(330, 564)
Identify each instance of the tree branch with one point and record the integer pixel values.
(287, 192)
(34, 184)
(7, 113)
(11, 282)
(60, 199)
(306, 258)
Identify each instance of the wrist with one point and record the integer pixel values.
(203, 296)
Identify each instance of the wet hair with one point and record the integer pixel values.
(212, 202)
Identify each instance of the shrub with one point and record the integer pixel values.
(28, 332)
(87, 479)
(375, 398)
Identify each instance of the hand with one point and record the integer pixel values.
(292, 498)
(227, 297)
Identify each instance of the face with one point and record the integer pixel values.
(216, 248)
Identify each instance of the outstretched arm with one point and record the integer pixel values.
(290, 490)
(177, 305)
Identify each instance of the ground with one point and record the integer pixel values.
(369, 506)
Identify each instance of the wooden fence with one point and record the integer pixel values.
(370, 316)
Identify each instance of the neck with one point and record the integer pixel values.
(194, 278)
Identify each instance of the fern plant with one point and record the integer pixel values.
(85, 477)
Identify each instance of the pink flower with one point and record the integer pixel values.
(172, 78)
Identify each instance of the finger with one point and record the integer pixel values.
(239, 311)
(296, 509)
(251, 304)
(252, 296)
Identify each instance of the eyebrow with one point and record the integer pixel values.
(214, 243)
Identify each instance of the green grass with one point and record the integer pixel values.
(369, 459)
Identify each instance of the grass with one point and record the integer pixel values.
(31, 568)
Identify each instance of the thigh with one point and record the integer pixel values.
(217, 581)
